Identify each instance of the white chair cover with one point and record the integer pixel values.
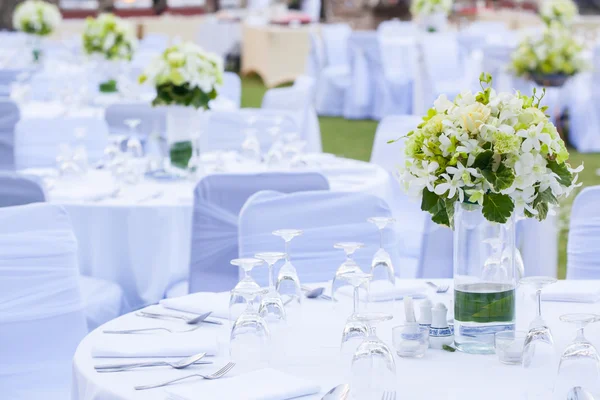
(584, 111)
(8, 76)
(37, 140)
(397, 28)
(154, 42)
(151, 118)
(19, 189)
(583, 247)
(218, 36)
(326, 218)
(225, 130)
(437, 252)
(475, 36)
(316, 57)
(365, 68)
(298, 101)
(232, 88)
(218, 200)
(9, 116)
(312, 8)
(40, 302)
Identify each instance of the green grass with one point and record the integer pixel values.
(354, 139)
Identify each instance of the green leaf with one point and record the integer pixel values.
(429, 200)
(484, 160)
(436, 206)
(541, 204)
(564, 176)
(502, 179)
(440, 216)
(449, 204)
(497, 207)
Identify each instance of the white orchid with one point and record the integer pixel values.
(534, 137)
(523, 199)
(453, 185)
(110, 37)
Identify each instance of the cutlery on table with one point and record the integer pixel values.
(219, 374)
(315, 293)
(110, 195)
(579, 393)
(340, 392)
(438, 288)
(188, 320)
(144, 330)
(389, 395)
(180, 364)
(153, 196)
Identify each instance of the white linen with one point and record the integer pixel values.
(573, 291)
(382, 291)
(131, 346)
(200, 303)
(264, 384)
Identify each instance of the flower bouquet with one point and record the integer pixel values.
(111, 40)
(186, 79)
(562, 11)
(551, 59)
(38, 19)
(478, 162)
(432, 14)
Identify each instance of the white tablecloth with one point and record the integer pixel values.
(312, 351)
(144, 245)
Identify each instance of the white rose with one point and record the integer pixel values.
(474, 116)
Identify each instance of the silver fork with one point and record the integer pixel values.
(439, 288)
(219, 374)
(389, 395)
(133, 331)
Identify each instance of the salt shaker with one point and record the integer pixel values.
(439, 333)
(425, 313)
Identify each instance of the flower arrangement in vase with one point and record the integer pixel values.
(479, 162)
(563, 12)
(38, 19)
(432, 14)
(110, 40)
(186, 79)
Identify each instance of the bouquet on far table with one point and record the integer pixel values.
(186, 79)
(111, 40)
(432, 14)
(562, 11)
(549, 59)
(38, 19)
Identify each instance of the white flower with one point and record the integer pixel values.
(442, 104)
(523, 199)
(452, 185)
(109, 36)
(36, 17)
(464, 173)
(534, 137)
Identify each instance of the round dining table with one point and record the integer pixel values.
(141, 238)
(309, 348)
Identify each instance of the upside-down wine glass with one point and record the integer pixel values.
(579, 363)
(251, 149)
(288, 283)
(349, 265)
(373, 365)
(250, 335)
(134, 145)
(245, 284)
(271, 305)
(354, 328)
(381, 266)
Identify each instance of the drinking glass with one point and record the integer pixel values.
(134, 145)
(250, 335)
(509, 346)
(80, 155)
(271, 305)
(539, 345)
(410, 341)
(245, 284)
(349, 265)
(354, 328)
(251, 145)
(381, 266)
(288, 283)
(579, 363)
(373, 365)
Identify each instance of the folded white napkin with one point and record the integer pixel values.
(200, 303)
(264, 384)
(572, 291)
(184, 345)
(383, 291)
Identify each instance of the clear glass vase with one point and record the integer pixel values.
(182, 131)
(484, 279)
(37, 50)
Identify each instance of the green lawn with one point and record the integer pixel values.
(354, 139)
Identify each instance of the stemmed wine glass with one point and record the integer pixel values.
(373, 365)
(245, 284)
(250, 334)
(271, 305)
(539, 343)
(382, 260)
(580, 362)
(288, 283)
(354, 328)
(134, 145)
(348, 266)
(251, 145)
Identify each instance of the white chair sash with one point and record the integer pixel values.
(583, 248)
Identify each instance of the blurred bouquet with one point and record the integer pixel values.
(185, 75)
(495, 150)
(556, 52)
(561, 11)
(109, 36)
(36, 17)
(429, 7)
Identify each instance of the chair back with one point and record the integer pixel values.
(232, 88)
(38, 140)
(335, 40)
(9, 116)
(316, 56)
(41, 306)
(583, 246)
(218, 200)
(441, 55)
(152, 119)
(436, 259)
(325, 218)
(397, 28)
(19, 189)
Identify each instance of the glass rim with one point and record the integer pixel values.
(511, 334)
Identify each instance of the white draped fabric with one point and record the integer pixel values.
(583, 250)
(9, 116)
(19, 189)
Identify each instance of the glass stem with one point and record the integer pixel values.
(538, 294)
(580, 337)
(271, 278)
(287, 251)
(356, 299)
(381, 238)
